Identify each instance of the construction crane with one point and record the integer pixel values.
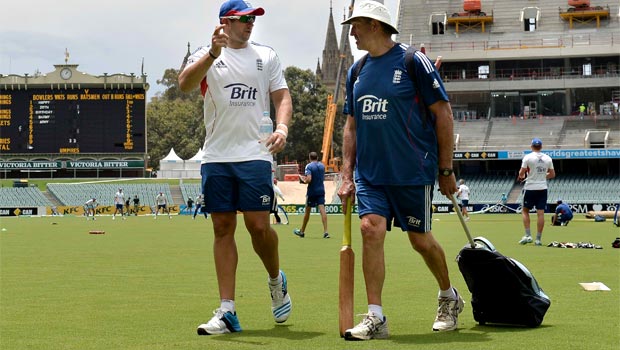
(471, 8)
(582, 5)
(332, 164)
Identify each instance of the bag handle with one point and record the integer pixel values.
(458, 213)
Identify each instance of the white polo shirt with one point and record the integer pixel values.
(239, 83)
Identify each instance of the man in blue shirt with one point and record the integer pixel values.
(562, 215)
(314, 176)
(392, 155)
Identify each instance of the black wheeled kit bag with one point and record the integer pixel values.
(503, 290)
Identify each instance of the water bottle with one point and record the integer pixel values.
(265, 129)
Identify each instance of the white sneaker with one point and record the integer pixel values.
(448, 313)
(371, 327)
(526, 240)
(222, 322)
(281, 305)
(113, 217)
(467, 218)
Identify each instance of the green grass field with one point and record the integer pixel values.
(147, 284)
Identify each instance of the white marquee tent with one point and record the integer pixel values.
(174, 167)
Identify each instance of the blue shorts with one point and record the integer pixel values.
(409, 206)
(244, 186)
(313, 201)
(535, 198)
(119, 206)
(465, 202)
(161, 206)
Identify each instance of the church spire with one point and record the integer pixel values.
(331, 55)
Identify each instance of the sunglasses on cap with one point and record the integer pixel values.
(242, 19)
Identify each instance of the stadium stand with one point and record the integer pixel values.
(22, 196)
(77, 194)
(190, 190)
(485, 189)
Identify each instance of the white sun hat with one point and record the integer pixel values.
(372, 9)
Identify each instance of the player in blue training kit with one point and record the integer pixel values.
(314, 176)
(392, 153)
(562, 215)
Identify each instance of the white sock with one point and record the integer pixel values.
(448, 293)
(275, 281)
(228, 305)
(377, 310)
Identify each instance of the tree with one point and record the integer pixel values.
(309, 109)
(174, 119)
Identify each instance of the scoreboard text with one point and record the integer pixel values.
(87, 120)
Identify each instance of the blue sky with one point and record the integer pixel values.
(114, 36)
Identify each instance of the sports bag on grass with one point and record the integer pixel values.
(503, 290)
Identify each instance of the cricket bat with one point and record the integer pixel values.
(347, 267)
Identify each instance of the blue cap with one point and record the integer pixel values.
(559, 201)
(536, 142)
(239, 8)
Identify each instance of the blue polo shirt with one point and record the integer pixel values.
(394, 145)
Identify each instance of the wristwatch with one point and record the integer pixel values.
(446, 172)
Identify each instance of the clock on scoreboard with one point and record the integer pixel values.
(85, 120)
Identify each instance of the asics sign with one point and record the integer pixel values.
(241, 94)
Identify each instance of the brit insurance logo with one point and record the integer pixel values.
(373, 107)
(266, 200)
(241, 95)
(413, 221)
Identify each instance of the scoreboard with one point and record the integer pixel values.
(85, 120)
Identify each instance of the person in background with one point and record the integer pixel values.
(463, 194)
(563, 214)
(127, 207)
(190, 205)
(89, 208)
(119, 201)
(582, 110)
(536, 169)
(314, 177)
(238, 78)
(136, 205)
(200, 203)
(393, 151)
(274, 210)
(162, 203)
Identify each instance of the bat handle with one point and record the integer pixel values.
(346, 237)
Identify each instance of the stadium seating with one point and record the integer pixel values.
(485, 189)
(190, 190)
(77, 194)
(22, 197)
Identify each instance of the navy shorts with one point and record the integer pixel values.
(409, 206)
(535, 198)
(465, 202)
(119, 206)
(244, 186)
(314, 201)
(161, 206)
